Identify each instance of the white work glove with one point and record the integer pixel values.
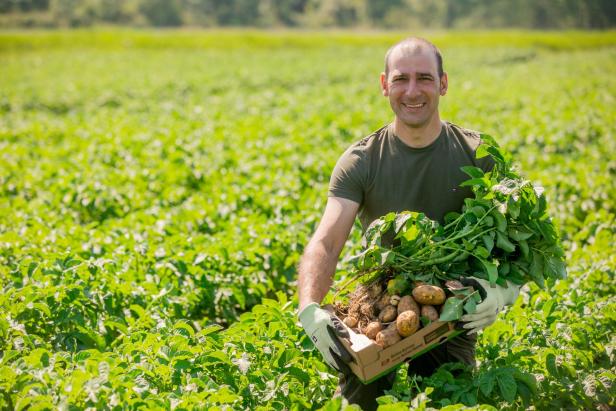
(494, 299)
(322, 327)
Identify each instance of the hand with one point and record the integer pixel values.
(323, 329)
(494, 299)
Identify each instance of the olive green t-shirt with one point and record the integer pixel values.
(383, 174)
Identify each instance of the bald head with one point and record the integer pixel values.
(413, 45)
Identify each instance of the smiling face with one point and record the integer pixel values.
(413, 86)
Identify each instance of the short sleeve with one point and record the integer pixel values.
(349, 175)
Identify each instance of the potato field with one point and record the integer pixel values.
(157, 189)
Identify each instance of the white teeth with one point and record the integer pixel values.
(414, 105)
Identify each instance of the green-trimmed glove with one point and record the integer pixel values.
(494, 299)
(323, 328)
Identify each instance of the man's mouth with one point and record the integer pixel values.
(418, 105)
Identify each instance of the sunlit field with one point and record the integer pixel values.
(157, 190)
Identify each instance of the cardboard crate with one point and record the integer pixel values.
(372, 361)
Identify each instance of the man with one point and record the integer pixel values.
(411, 164)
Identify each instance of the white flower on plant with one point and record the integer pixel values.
(18, 343)
(502, 208)
(242, 363)
(17, 326)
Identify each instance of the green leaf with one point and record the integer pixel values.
(519, 234)
(555, 267)
(239, 297)
(112, 324)
(482, 151)
(387, 257)
(452, 310)
(513, 208)
(486, 383)
(401, 220)
(491, 270)
(475, 182)
(527, 380)
(451, 217)
(507, 386)
(536, 269)
(550, 365)
(42, 307)
(386, 399)
(470, 306)
(184, 329)
(504, 268)
(474, 172)
(488, 241)
(501, 221)
(335, 404)
(524, 248)
(482, 252)
(525, 394)
(503, 243)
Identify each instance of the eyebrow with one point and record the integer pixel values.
(400, 75)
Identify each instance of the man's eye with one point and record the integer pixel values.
(397, 79)
(425, 78)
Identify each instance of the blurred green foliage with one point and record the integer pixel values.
(401, 14)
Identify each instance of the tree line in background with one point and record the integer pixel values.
(401, 14)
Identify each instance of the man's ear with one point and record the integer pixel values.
(384, 88)
(444, 84)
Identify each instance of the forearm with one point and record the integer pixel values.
(316, 270)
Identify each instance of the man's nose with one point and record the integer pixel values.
(411, 89)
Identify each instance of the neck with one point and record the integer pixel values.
(418, 137)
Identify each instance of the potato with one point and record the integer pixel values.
(430, 312)
(407, 303)
(375, 290)
(388, 337)
(350, 321)
(373, 329)
(394, 300)
(429, 295)
(407, 323)
(388, 314)
(383, 302)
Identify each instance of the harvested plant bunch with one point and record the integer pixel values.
(502, 233)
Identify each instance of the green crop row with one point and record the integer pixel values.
(225, 39)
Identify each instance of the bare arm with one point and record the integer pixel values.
(318, 263)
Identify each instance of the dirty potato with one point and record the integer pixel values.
(430, 312)
(351, 321)
(388, 337)
(394, 300)
(388, 314)
(429, 295)
(373, 329)
(383, 302)
(407, 303)
(407, 323)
